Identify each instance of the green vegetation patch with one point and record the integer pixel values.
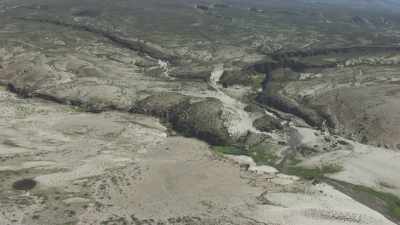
(386, 203)
(391, 201)
(256, 81)
(229, 150)
(263, 154)
(314, 173)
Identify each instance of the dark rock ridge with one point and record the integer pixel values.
(202, 7)
(133, 44)
(191, 116)
(267, 124)
(327, 51)
(293, 61)
(24, 184)
(288, 105)
(271, 96)
(94, 106)
(202, 118)
(191, 73)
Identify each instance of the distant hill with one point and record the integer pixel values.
(376, 5)
(373, 4)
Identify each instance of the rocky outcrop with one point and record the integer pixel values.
(267, 123)
(205, 119)
(361, 113)
(134, 44)
(202, 118)
(202, 7)
(161, 105)
(288, 105)
(242, 77)
(328, 51)
(191, 73)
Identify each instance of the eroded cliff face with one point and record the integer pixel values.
(339, 87)
(108, 109)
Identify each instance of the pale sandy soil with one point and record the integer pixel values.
(361, 164)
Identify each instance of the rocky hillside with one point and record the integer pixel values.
(187, 112)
